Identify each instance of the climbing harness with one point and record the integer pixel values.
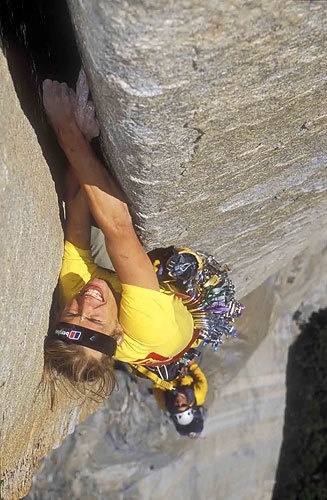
(164, 384)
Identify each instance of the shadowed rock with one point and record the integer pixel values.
(31, 251)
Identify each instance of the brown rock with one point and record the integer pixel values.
(213, 118)
(31, 252)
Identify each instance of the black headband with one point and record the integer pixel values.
(74, 334)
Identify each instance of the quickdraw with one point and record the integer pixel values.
(207, 292)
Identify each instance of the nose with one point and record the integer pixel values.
(85, 305)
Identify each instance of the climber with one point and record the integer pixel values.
(185, 401)
(103, 315)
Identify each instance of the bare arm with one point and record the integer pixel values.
(104, 197)
(78, 216)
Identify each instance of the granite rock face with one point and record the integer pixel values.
(31, 252)
(213, 117)
(129, 449)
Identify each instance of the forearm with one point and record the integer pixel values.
(105, 198)
(78, 217)
(78, 227)
(72, 118)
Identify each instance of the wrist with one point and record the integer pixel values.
(72, 140)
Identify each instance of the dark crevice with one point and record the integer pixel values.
(200, 132)
(301, 472)
(199, 137)
(38, 41)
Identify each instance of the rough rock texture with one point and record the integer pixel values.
(213, 117)
(31, 251)
(128, 450)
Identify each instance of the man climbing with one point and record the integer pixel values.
(103, 314)
(184, 402)
(128, 315)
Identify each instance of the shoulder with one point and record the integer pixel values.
(72, 252)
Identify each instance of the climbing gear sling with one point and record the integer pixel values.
(208, 293)
(163, 384)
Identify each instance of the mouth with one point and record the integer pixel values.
(93, 291)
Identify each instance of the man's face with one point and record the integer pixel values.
(181, 402)
(94, 307)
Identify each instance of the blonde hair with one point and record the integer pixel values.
(88, 377)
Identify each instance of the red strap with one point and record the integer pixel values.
(196, 333)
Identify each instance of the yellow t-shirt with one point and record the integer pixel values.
(157, 326)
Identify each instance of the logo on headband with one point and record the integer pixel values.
(70, 334)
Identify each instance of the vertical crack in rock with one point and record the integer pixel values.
(35, 48)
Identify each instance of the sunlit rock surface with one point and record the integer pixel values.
(31, 251)
(213, 117)
(130, 450)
